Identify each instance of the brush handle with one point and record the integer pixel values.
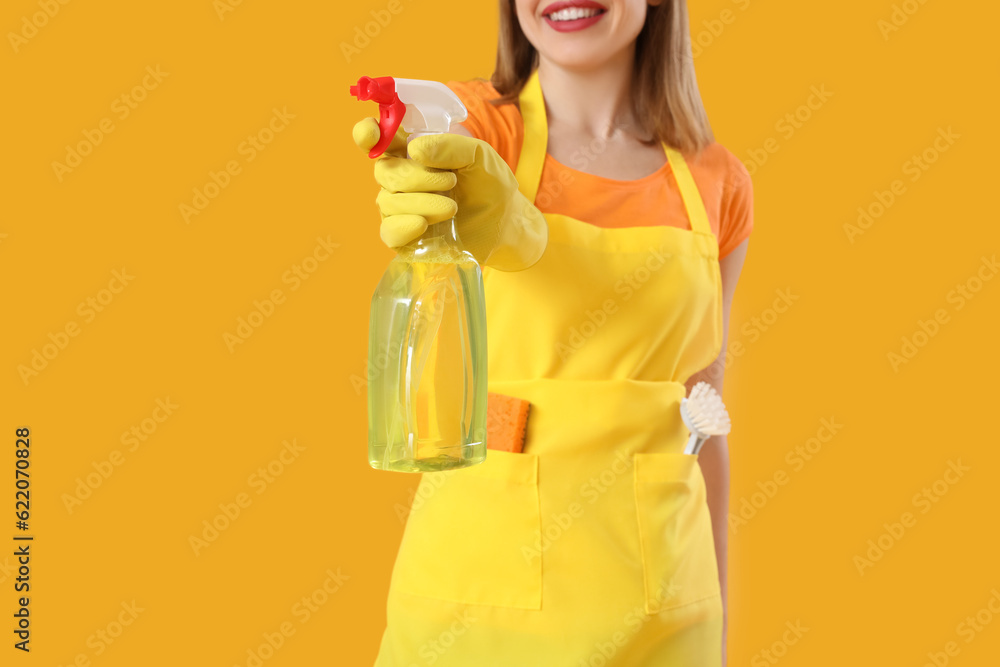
(695, 442)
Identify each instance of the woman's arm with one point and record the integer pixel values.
(714, 456)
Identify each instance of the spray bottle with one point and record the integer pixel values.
(427, 333)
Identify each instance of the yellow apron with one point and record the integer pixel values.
(592, 547)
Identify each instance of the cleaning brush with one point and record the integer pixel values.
(705, 415)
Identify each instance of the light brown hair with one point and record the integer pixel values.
(665, 96)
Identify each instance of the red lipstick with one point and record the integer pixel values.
(592, 13)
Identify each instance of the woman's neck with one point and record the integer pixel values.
(596, 102)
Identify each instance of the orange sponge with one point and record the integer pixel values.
(506, 422)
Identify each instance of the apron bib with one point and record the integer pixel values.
(594, 545)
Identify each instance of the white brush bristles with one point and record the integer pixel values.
(704, 412)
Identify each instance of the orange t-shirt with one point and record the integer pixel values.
(722, 179)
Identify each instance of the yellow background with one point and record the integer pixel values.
(294, 378)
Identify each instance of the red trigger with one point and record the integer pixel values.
(391, 108)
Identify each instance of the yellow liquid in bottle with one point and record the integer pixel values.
(427, 356)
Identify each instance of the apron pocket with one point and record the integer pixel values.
(675, 531)
(468, 533)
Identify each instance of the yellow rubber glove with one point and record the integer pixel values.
(494, 221)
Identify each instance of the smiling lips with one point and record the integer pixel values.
(573, 15)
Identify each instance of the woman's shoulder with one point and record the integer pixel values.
(727, 188)
(717, 161)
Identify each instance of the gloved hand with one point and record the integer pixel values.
(494, 221)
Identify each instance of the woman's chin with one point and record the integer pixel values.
(583, 59)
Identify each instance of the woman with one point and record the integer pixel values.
(589, 186)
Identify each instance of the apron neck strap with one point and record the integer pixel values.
(536, 138)
(535, 146)
(693, 204)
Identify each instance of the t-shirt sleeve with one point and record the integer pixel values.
(736, 217)
(499, 126)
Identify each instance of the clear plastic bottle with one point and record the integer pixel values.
(427, 394)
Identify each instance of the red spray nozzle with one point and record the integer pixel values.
(391, 108)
